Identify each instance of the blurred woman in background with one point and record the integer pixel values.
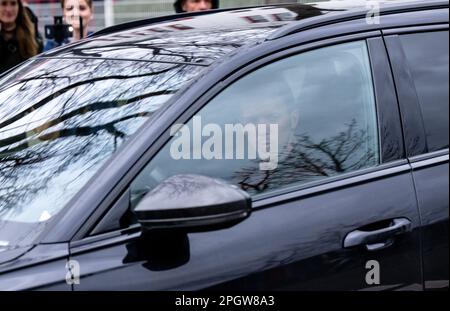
(18, 38)
(78, 14)
(73, 10)
(182, 6)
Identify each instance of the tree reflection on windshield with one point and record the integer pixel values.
(61, 119)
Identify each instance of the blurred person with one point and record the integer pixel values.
(18, 38)
(34, 19)
(72, 11)
(182, 6)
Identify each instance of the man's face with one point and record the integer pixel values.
(9, 10)
(197, 5)
(270, 110)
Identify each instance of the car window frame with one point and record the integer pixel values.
(411, 113)
(260, 67)
(375, 46)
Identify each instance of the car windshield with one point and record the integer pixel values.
(60, 120)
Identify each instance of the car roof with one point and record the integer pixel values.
(202, 38)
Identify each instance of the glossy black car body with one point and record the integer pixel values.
(295, 238)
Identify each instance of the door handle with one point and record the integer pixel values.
(378, 239)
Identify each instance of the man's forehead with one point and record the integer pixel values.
(195, 1)
(259, 106)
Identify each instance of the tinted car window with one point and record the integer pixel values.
(427, 54)
(322, 105)
(61, 119)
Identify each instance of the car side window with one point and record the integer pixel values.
(296, 120)
(428, 58)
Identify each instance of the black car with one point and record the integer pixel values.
(142, 158)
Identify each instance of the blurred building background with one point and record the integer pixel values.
(112, 12)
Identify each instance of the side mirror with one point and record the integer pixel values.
(193, 203)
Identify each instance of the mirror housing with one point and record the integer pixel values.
(193, 203)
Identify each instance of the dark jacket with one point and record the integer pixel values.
(179, 7)
(9, 52)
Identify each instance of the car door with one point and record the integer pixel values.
(334, 206)
(421, 58)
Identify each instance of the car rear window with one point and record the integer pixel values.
(428, 57)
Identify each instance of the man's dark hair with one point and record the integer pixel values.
(178, 5)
